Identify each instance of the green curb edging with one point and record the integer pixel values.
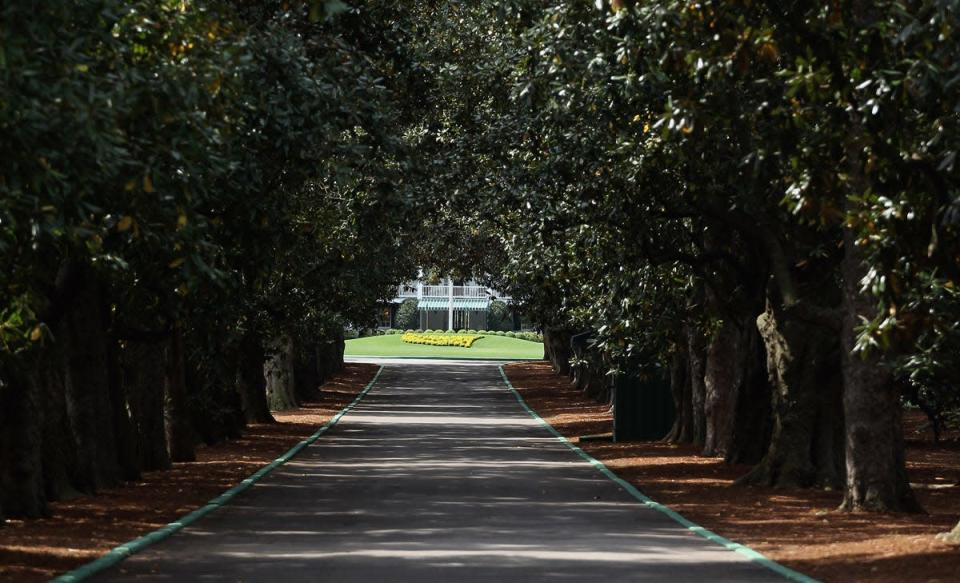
(749, 553)
(118, 554)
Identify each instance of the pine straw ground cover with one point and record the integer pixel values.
(81, 529)
(799, 528)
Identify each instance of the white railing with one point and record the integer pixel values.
(459, 291)
(469, 291)
(409, 290)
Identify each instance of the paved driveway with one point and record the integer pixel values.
(437, 475)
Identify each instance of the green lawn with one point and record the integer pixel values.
(486, 347)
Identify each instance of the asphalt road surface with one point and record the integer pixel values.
(437, 475)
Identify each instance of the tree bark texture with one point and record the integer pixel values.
(216, 411)
(143, 380)
(60, 456)
(556, 346)
(330, 354)
(803, 364)
(750, 431)
(278, 371)
(721, 382)
(591, 378)
(682, 431)
(21, 447)
(876, 469)
(697, 351)
(732, 407)
(306, 372)
(88, 386)
(251, 382)
(128, 454)
(181, 438)
(589, 371)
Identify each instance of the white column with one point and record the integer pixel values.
(450, 307)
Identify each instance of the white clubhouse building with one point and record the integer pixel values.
(447, 306)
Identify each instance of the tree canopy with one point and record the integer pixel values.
(757, 201)
(761, 197)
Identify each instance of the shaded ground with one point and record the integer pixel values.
(81, 529)
(799, 528)
(490, 346)
(437, 475)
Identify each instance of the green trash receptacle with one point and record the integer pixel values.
(643, 408)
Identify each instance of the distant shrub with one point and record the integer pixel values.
(511, 334)
(435, 339)
(407, 314)
(498, 316)
(409, 331)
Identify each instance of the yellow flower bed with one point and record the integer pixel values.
(462, 340)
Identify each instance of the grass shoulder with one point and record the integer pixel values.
(489, 346)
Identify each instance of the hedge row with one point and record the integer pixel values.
(530, 336)
(462, 340)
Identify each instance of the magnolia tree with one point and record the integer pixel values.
(185, 186)
(760, 200)
(755, 201)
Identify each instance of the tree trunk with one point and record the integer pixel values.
(556, 346)
(22, 492)
(251, 383)
(591, 378)
(306, 372)
(804, 368)
(589, 371)
(216, 410)
(143, 379)
(682, 431)
(731, 407)
(88, 386)
(181, 438)
(697, 358)
(128, 456)
(60, 461)
(278, 370)
(750, 431)
(330, 354)
(721, 383)
(876, 469)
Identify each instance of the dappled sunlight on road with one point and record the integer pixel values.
(438, 475)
